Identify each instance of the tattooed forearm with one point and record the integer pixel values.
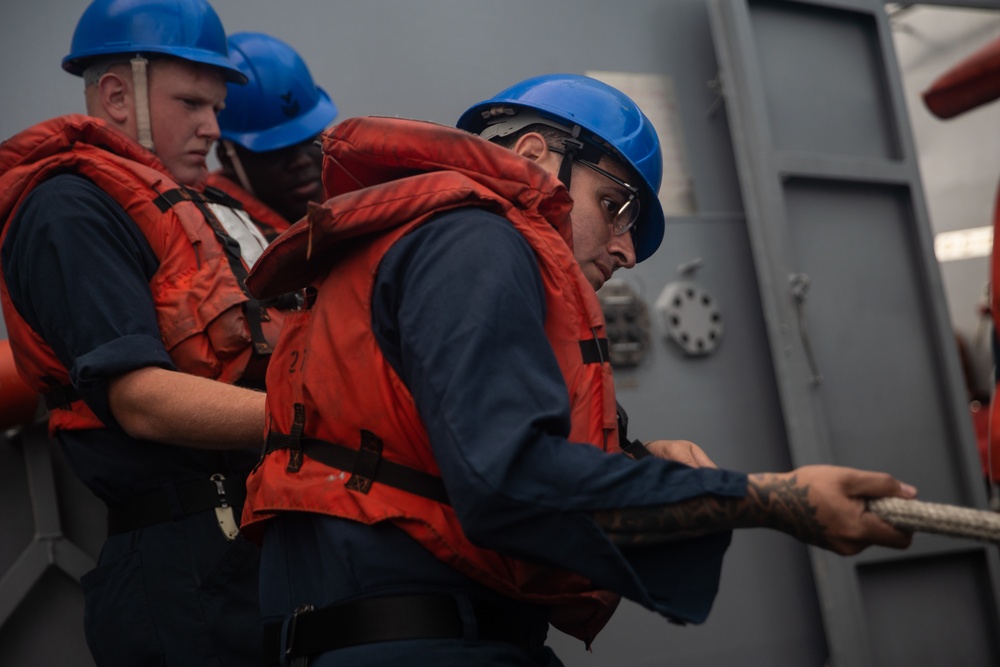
(783, 504)
(637, 526)
(774, 501)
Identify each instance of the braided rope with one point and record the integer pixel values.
(952, 520)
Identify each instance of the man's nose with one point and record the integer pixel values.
(209, 127)
(303, 155)
(623, 248)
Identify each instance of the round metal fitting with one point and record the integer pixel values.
(690, 317)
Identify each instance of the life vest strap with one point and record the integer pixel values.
(60, 396)
(594, 350)
(294, 443)
(366, 465)
(171, 198)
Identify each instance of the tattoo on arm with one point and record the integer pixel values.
(773, 501)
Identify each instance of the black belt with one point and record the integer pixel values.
(187, 498)
(399, 618)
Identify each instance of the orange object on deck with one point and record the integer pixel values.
(18, 401)
(969, 84)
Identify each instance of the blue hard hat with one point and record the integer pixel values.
(186, 29)
(280, 105)
(603, 111)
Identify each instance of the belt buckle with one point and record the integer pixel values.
(290, 635)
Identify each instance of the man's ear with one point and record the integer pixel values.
(532, 146)
(115, 97)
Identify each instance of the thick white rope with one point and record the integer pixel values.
(916, 515)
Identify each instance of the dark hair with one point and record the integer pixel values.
(553, 137)
(551, 134)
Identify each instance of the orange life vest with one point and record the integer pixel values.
(263, 214)
(329, 380)
(209, 324)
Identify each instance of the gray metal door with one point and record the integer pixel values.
(864, 356)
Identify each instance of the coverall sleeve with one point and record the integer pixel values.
(459, 311)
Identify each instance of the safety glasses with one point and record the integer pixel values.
(624, 215)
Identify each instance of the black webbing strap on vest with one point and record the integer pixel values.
(210, 195)
(399, 618)
(222, 197)
(594, 350)
(254, 309)
(294, 439)
(60, 396)
(185, 498)
(366, 465)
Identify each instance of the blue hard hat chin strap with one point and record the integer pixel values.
(571, 148)
(140, 86)
(574, 148)
(237, 163)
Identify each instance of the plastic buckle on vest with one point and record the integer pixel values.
(366, 463)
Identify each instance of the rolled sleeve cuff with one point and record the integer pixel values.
(91, 372)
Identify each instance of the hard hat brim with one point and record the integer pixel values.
(293, 132)
(78, 62)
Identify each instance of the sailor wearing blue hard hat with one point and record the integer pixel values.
(599, 121)
(124, 301)
(185, 37)
(270, 125)
(449, 455)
